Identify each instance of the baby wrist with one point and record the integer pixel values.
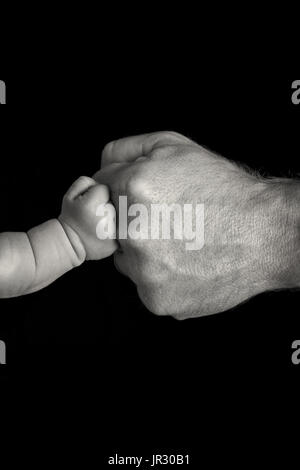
(75, 248)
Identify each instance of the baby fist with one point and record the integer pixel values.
(81, 204)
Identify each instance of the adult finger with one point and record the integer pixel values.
(129, 149)
(112, 176)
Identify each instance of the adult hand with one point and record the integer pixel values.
(251, 228)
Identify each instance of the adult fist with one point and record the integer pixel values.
(79, 216)
(246, 238)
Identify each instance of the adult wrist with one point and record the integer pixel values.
(282, 237)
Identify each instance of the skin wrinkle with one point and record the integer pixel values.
(246, 226)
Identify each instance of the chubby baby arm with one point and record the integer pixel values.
(30, 261)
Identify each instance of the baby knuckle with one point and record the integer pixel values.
(67, 202)
(67, 197)
(88, 203)
(108, 151)
(84, 179)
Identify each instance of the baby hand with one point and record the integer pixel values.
(79, 215)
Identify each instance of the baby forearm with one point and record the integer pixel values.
(17, 264)
(31, 261)
(54, 251)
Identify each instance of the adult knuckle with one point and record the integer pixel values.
(147, 275)
(136, 184)
(178, 316)
(172, 136)
(161, 307)
(167, 134)
(161, 152)
(152, 300)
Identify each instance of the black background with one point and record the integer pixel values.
(144, 381)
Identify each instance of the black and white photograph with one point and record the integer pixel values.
(150, 264)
